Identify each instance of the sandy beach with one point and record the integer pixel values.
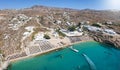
(43, 52)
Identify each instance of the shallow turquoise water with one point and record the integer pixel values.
(104, 57)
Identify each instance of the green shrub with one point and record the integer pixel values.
(46, 36)
(60, 33)
(97, 25)
(72, 28)
(79, 24)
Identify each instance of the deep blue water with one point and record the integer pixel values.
(103, 56)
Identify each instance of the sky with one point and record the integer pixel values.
(75, 4)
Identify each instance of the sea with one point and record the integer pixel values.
(104, 57)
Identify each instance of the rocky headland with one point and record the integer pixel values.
(107, 39)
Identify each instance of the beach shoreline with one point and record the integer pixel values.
(44, 52)
(59, 58)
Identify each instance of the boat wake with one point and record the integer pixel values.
(90, 62)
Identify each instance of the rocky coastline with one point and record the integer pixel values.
(108, 39)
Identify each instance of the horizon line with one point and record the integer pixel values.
(58, 8)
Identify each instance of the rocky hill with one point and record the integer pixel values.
(79, 15)
(13, 23)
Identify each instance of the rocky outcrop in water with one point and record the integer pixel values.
(108, 39)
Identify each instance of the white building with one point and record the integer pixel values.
(96, 29)
(73, 33)
(110, 31)
(92, 28)
(109, 23)
(39, 36)
(55, 34)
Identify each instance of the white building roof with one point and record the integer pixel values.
(39, 36)
(75, 33)
(109, 31)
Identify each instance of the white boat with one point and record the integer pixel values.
(75, 50)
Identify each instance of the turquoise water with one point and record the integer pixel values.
(103, 56)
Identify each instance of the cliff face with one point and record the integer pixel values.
(104, 38)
